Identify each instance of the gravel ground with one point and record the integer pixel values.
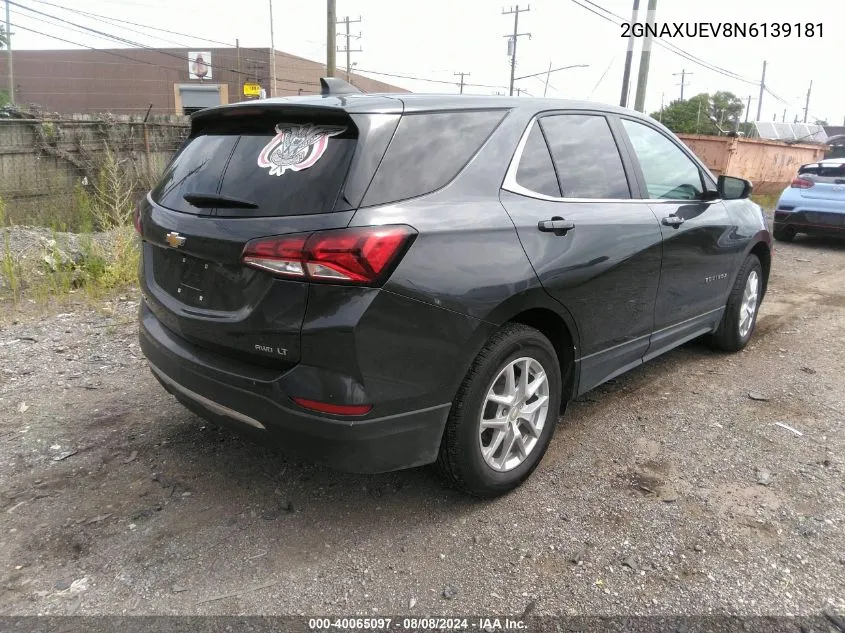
(701, 483)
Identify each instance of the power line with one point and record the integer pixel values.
(52, 22)
(290, 81)
(601, 79)
(132, 59)
(99, 50)
(553, 70)
(670, 47)
(117, 38)
(180, 44)
(99, 17)
(433, 81)
(677, 49)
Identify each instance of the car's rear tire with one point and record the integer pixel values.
(786, 234)
(740, 314)
(518, 365)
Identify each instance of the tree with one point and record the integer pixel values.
(726, 107)
(703, 114)
(3, 40)
(691, 116)
(821, 122)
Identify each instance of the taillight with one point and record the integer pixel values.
(361, 255)
(801, 183)
(334, 409)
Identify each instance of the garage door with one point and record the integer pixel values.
(195, 97)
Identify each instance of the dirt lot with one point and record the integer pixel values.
(669, 490)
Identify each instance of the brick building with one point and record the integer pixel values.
(173, 80)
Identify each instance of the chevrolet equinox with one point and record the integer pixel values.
(383, 281)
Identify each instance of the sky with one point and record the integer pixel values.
(434, 39)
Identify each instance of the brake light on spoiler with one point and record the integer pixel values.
(359, 255)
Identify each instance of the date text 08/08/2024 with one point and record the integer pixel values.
(722, 29)
(415, 624)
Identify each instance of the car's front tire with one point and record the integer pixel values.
(740, 314)
(504, 414)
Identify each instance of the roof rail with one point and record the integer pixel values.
(335, 86)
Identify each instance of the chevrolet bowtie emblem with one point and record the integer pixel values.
(174, 239)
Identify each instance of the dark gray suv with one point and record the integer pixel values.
(387, 281)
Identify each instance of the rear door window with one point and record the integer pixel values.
(279, 166)
(585, 156)
(536, 172)
(427, 151)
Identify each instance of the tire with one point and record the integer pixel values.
(786, 234)
(730, 335)
(460, 460)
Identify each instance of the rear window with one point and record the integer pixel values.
(275, 166)
(823, 170)
(832, 171)
(427, 151)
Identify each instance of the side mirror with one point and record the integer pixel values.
(731, 188)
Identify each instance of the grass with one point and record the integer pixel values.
(97, 268)
(767, 201)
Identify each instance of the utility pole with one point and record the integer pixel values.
(683, 75)
(783, 120)
(513, 38)
(347, 49)
(331, 37)
(629, 56)
(762, 88)
(748, 109)
(9, 55)
(645, 59)
(462, 75)
(273, 55)
(807, 106)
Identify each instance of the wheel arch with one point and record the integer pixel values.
(763, 251)
(535, 308)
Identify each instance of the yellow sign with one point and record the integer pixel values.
(252, 90)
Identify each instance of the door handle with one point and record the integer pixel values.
(556, 225)
(673, 220)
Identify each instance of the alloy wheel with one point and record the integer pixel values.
(748, 308)
(514, 414)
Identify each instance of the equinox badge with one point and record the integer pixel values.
(174, 239)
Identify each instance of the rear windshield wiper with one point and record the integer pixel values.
(211, 200)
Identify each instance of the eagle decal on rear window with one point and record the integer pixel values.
(296, 147)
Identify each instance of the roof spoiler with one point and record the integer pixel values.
(333, 86)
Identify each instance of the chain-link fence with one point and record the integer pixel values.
(56, 172)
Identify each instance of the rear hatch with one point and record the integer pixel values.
(828, 179)
(248, 172)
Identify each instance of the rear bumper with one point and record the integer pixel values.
(253, 398)
(823, 218)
